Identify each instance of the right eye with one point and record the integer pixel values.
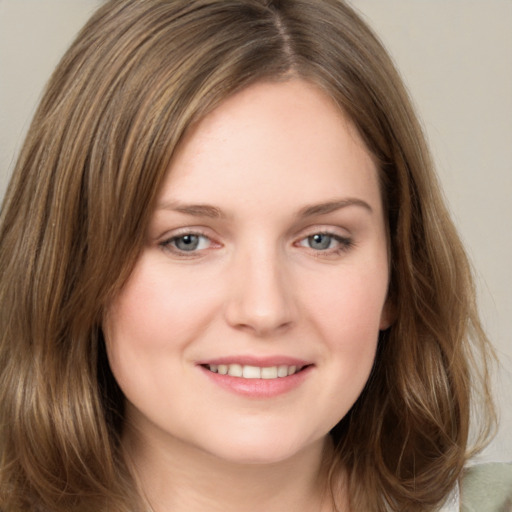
(326, 242)
(187, 243)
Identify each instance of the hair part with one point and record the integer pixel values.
(137, 77)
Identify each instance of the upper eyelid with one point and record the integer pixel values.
(178, 232)
(340, 238)
(167, 238)
(340, 231)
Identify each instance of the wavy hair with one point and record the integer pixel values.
(139, 74)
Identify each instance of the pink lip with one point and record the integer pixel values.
(258, 388)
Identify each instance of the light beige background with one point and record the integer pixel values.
(455, 56)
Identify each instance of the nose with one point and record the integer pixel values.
(261, 299)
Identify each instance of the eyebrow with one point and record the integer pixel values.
(332, 206)
(206, 210)
(196, 210)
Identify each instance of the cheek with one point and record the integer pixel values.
(151, 325)
(158, 310)
(347, 317)
(350, 306)
(148, 328)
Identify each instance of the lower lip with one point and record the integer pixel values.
(258, 388)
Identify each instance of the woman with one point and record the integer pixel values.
(228, 276)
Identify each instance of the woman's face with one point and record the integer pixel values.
(266, 258)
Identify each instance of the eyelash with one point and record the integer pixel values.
(168, 244)
(344, 244)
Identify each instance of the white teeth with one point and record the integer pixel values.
(235, 370)
(282, 371)
(254, 372)
(270, 373)
(251, 372)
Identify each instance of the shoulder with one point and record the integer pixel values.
(487, 488)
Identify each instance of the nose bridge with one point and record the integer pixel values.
(260, 292)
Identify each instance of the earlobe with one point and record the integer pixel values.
(388, 315)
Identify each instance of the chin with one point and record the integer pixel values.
(273, 449)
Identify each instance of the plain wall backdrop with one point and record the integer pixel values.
(455, 57)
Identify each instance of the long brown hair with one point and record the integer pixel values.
(73, 223)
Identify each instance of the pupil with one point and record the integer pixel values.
(187, 242)
(319, 241)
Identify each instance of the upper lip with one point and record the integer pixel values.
(262, 362)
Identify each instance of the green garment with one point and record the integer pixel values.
(487, 488)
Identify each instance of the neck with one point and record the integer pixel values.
(180, 478)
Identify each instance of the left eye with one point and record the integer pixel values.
(323, 241)
(188, 242)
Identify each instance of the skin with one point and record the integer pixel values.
(257, 284)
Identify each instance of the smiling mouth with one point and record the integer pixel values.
(254, 372)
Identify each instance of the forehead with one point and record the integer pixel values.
(272, 140)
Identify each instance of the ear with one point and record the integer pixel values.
(388, 315)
